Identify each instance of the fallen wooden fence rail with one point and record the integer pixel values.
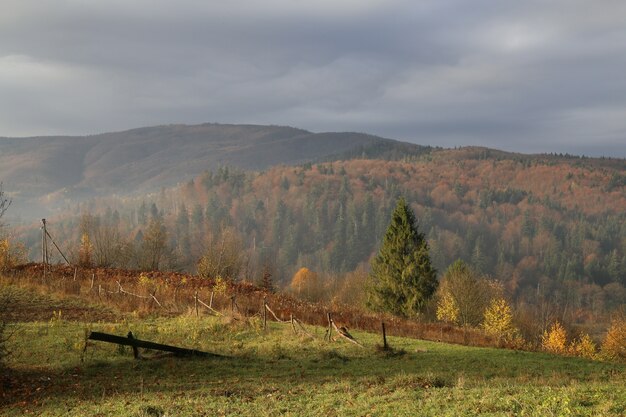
(213, 311)
(343, 332)
(274, 314)
(136, 343)
(306, 332)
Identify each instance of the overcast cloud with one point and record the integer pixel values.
(532, 76)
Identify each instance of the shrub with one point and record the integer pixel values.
(220, 286)
(583, 347)
(555, 340)
(352, 288)
(447, 310)
(11, 254)
(614, 344)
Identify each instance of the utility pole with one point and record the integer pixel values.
(44, 246)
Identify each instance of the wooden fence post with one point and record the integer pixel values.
(330, 326)
(384, 337)
(135, 349)
(196, 302)
(293, 325)
(264, 313)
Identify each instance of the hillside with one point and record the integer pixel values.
(552, 229)
(275, 370)
(46, 172)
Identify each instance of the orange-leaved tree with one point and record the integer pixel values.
(306, 284)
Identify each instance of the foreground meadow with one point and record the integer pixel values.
(280, 372)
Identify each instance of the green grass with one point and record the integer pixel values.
(279, 373)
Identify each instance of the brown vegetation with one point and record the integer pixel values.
(129, 292)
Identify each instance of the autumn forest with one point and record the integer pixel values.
(550, 228)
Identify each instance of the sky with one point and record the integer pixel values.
(529, 76)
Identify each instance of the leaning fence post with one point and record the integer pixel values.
(232, 304)
(196, 302)
(330, 326)
(211, 300)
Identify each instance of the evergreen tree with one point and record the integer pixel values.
(197, 216)
(402, 277)
(339, 252)
(528, 225)
(614, 267)
(182, 223)
(480, 257)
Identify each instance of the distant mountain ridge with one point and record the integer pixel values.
(48, 172)
(58, 168)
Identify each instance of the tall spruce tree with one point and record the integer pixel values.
(402, 277)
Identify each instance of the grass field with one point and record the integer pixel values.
(277, 372)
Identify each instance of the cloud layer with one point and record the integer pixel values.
(532, 76)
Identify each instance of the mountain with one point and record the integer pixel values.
(43, 171)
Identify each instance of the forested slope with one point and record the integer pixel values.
(546, 226)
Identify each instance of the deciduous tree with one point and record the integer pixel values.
(154, 244)
(499, 320)
(223, 256)
(306, 284)
(464, 292)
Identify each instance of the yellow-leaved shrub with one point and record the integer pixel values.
(11, 254)
(447, 310)
(555, 339)
(614, 344)
(584, 347)
(498, 320)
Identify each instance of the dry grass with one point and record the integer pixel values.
(131, 292)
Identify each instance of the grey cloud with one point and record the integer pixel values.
(528, 76)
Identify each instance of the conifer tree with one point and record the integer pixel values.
(402, 277)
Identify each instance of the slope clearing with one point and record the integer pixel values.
(277, 372)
